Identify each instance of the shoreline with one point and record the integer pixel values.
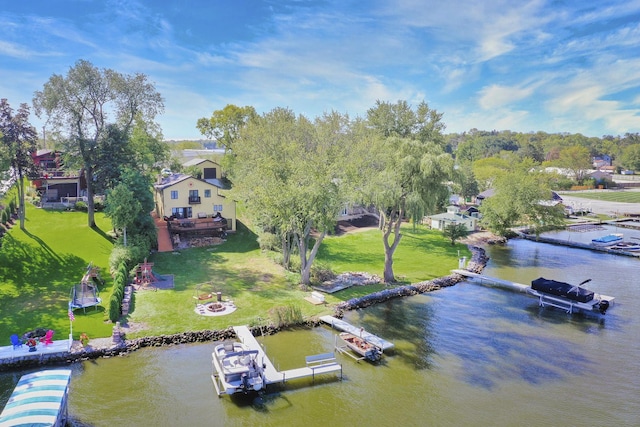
(106, 347)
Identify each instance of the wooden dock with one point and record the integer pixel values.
(316, 365)
(347, 327)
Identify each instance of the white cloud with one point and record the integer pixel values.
(497, 96)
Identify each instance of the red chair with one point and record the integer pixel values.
(48, 338)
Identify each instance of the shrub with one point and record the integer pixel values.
(269, 241)
(114, 308)
(285, 315)
(81, 206)
(321, 273)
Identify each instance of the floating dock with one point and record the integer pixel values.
(543, 299)
(316, 364)
(347, 327)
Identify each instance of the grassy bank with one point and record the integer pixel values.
(38, 268)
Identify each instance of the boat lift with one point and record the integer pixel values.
(544, 299)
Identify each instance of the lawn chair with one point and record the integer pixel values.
(48, 338)
(16, 341)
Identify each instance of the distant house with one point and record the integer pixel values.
(485, 195)
(183, 196)
(56, 183)
(601, 161)
(209, 170)
(453, 216)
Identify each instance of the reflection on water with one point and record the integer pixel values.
(465, 356)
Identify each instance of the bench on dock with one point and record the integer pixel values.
(320, 359)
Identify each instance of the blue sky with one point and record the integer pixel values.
(553, 66)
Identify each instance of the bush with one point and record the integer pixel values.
(81, 206)
(120, 255)
(321, 273)
(269, 242)
(114, 308)
(283, 316)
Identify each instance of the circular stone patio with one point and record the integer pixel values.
(215, 308)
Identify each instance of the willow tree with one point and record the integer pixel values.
(18, 139)
(287, 170)
(409, 169)
(82, 104)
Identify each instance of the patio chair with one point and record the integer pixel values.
(16, 341)
(48, 338)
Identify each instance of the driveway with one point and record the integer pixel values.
(601, 206)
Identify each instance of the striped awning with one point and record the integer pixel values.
(39, 399)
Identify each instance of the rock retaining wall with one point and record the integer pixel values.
(476, 264)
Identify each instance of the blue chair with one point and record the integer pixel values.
(15, 341)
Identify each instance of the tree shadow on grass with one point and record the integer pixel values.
(101, 232)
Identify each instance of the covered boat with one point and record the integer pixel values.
(569, 297)
(236, 368)
(362, 347)
(562, 289)
(608, 240)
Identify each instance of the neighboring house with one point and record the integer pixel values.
(601, 161)
(55, 183)
(453, 216)
(209, 169)
(183, 196)
(485, 195)
(601, 176)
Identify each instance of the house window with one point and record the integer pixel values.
(174, 194)
(207, 194)
(217, 208)
(182, 212)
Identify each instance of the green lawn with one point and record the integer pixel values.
(609, 196)
(38, 268)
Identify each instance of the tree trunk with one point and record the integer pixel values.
(21, 196)
(88, 173)
(390, 224)
(306, 263)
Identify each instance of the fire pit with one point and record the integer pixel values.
(215, 307)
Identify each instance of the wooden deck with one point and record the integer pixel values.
(347, 327)
(8, 353)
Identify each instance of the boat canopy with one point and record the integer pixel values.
(562, 289)
(39, 399)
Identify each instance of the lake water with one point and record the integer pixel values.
(469, 355)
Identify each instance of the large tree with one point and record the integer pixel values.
(576, 159)
(82, 105)
(287, 170)
(19, 139)
(409, 169)
(224, 125)
(522, 197)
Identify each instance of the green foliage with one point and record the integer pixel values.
(630, 157)
(269, 242)
(283, 316)
(80, 206)
(120, 280)
(122, 255)
(407, 171)
(520, 199)
(225, 125)
(321, 272)
(455, 231)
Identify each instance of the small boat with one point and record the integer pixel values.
(362, 347)
(626, 246)
(569, 297)
(608, 240)
(237, 369)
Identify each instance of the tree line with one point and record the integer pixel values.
(294, 173)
